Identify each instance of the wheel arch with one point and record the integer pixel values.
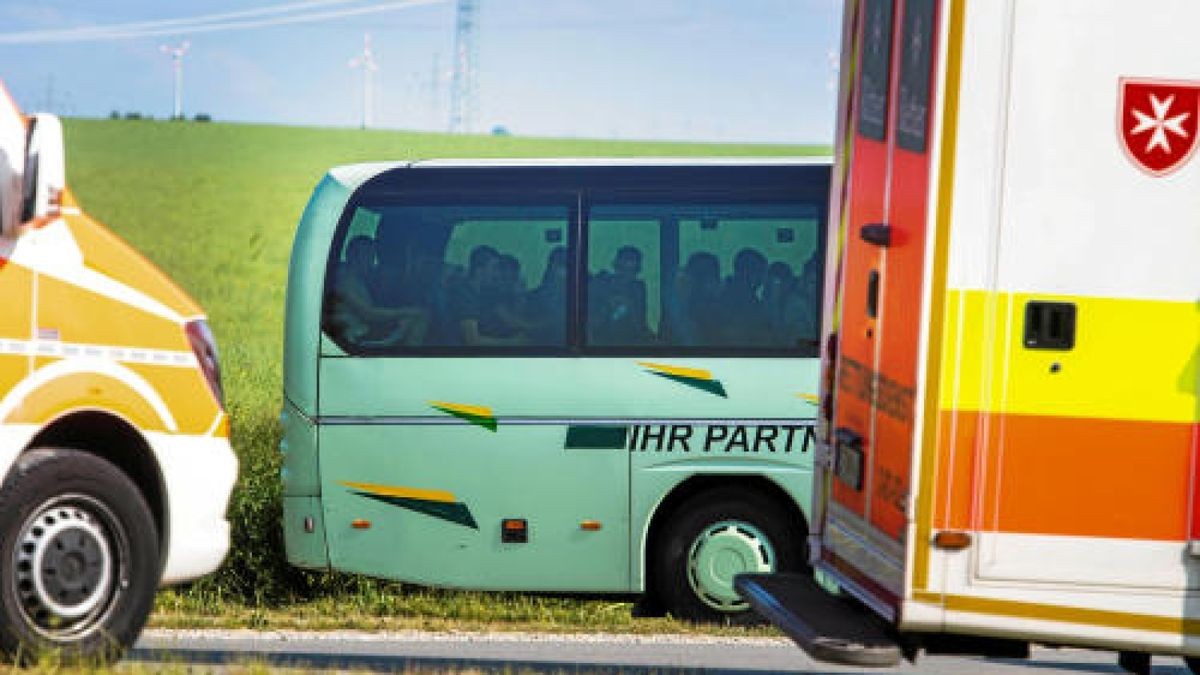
(115, 440)
(699, 483)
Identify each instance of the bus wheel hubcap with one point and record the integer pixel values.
(64, 568)
(721, 552)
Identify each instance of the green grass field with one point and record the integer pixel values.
(215, 205)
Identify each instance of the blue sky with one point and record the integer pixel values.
(720, 70)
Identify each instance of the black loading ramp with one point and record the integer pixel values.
(829, 628)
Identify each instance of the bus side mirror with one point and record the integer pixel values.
(45, 167)
(12, 163)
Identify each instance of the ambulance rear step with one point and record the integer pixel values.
(827, 627)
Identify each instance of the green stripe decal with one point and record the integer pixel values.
(587, 437)
(454, 512)
(711, 386)
(477, 415)
(697, 378)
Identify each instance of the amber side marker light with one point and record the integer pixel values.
(514, 531)
(590, 525)
(360, 524)
(952, 540)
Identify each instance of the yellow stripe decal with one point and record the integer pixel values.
(1132, 359)
(463, 409)
(402, 492)
(810, 398)
(937, 298)
(678, 371)
(1072, 615)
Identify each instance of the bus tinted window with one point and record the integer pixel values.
(695, 275)
(404, 278)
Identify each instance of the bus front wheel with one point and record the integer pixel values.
(711, 538)
(78, 558)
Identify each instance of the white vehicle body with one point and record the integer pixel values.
(100, 351)
(1012, 442)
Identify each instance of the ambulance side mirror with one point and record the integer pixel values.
(45, 168)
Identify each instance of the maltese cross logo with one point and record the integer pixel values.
(1158, 121)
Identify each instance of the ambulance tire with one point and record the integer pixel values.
(1193, 664)
(79, 559)
(713, 536)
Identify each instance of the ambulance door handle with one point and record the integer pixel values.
(873, 294)
(879, 234)
(1050, 325)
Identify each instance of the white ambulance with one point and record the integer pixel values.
(1011, 442)
(115, 463)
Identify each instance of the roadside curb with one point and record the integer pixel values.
(309, 637)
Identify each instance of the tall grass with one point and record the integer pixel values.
(215, 205)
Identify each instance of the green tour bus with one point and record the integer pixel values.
(580, 376)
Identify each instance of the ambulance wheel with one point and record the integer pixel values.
(1193, 664)
(78, 558)
(714, 536)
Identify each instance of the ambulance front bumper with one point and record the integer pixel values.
(199, 473)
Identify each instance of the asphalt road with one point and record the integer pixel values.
(210, 650)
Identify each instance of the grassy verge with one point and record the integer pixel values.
(216, 205)
(434, 610)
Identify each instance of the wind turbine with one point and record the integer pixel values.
(176, 54)
(367, 62)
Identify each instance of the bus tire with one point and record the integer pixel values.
(79, 560)
(713, 536)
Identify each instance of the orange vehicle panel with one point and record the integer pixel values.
(1045, 489)
(878, 354)
(868, 173)
(887, 207)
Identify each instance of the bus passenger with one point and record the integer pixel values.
(617, 302)
(544, 309)
(355, 313)
(693, 312)
(472, 302)
(807, 288)
(781, 303)
(745, 316)
(394, 281)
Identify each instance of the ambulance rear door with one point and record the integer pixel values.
(887, 212)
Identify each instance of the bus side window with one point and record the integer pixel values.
(354, 314)
(623, 279)
(697, 276)
(449, 276)
(764, 292)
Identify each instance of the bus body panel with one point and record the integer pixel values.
(664, 433)
(421, 457)
(482, 477)
(655, 477)
(306, 278)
